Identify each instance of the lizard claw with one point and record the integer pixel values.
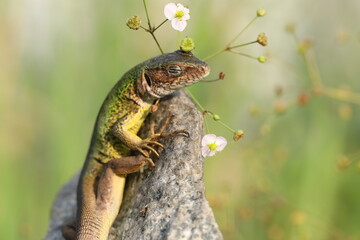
(147, 145)
(144, 153)
(151, 150)
(150, 161)
(186, 133)
(145, 150)
(155, 143)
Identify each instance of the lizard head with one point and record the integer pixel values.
(168, 72)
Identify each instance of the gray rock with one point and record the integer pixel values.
(167, 202)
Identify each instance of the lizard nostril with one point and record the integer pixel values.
(205, 69)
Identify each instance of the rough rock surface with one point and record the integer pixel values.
(167, 202)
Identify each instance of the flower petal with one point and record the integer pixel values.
(178, 25)
(180, 7)
(221, 142)
(169, 10)
(207, 139)
(186, 17)
(205, 151)
(212, 153)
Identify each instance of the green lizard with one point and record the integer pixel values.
(102, 180)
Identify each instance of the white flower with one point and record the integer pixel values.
(211, 144)
(177, 14)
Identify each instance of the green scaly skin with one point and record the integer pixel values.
(102, 180)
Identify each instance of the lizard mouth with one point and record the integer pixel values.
(204, 72)
(190, 78)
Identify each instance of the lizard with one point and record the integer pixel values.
(109, 160)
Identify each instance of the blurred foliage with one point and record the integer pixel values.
(296, 173)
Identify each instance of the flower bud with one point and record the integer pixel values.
(303, 99)
(254, 111)
(216, 117)
(262, 59)
(343, 163)
(305, 45)
(279, 91)
(298, 217)
(290, 28)
(187, 44)
(221, 75)
(261, 12)
(238, 134)
(280, 107)
(134, 22)
(262, 39)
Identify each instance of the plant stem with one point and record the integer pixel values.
(203, 109)
(228, 46)
(147, 14)
(206, 126)
(244, 54)
(341, 94)
(160, 25)
(313, 69)
(195, 100)
(151, 30)
(215, 54)
(226, 126)
(157, 43)
(243, 45)
(238, 35)
(147, 30)
(212, 80)
(178, 38)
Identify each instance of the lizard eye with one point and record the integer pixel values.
(148, 80)
(174, 70)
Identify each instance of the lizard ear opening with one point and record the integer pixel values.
(142, 83)
(145, 85)
(148, 79)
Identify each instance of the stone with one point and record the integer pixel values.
(167, 202)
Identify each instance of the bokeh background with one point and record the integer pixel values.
(295, 174)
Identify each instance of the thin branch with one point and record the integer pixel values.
(238, 35)
(157, 43)
(147, 14)
(160, 25)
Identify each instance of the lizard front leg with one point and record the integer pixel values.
(144, 146)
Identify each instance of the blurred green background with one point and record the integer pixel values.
(295, 174)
